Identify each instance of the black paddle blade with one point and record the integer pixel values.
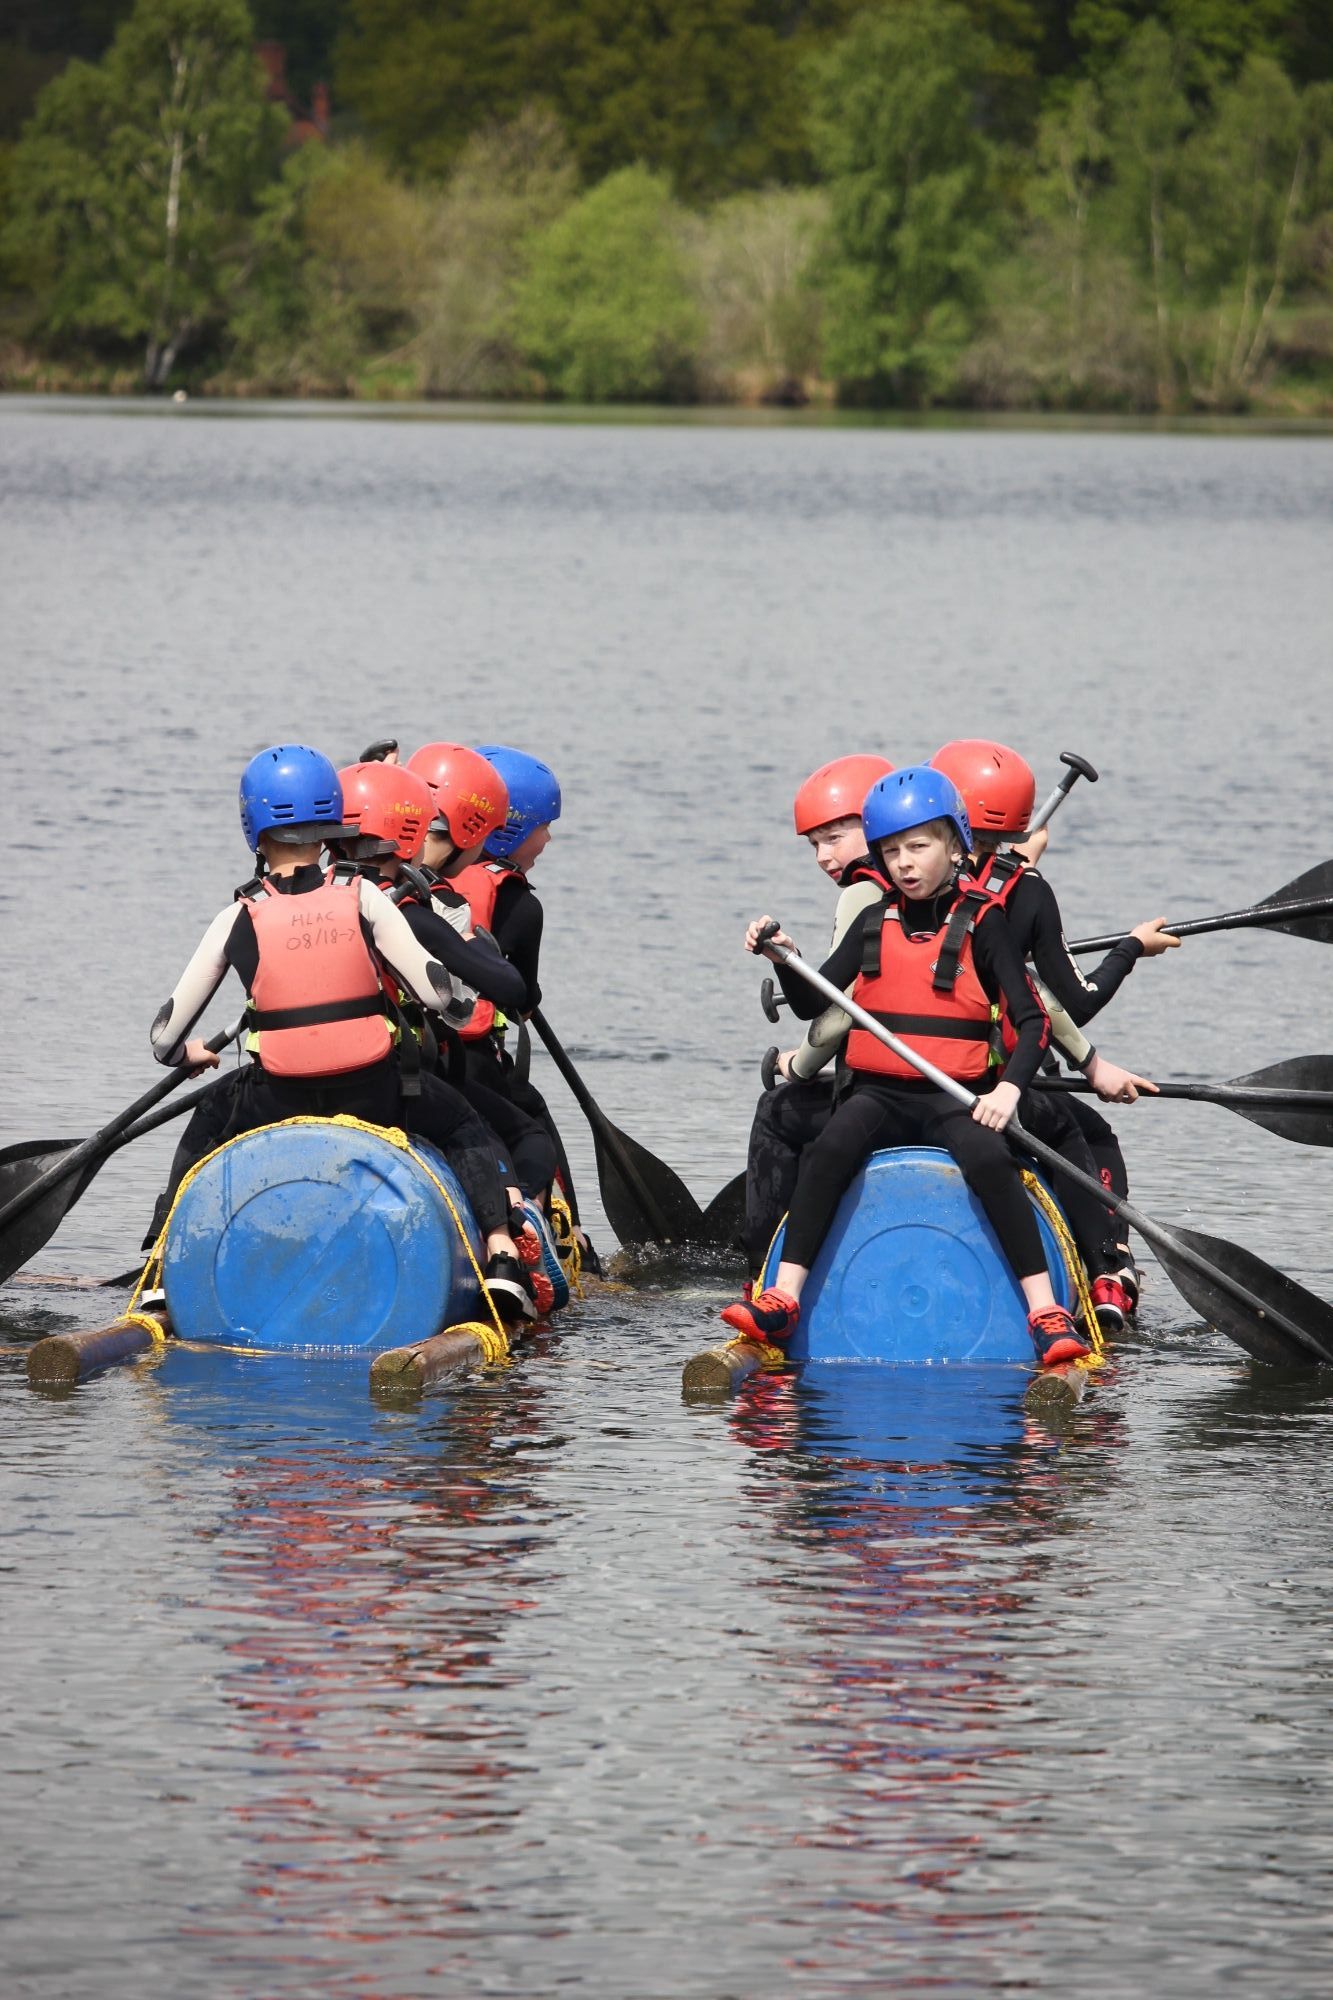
(1262, 1310)
(724, 1218)
(648, 1203)
(20, 1166)
(1316, 881)
(1308, 1124)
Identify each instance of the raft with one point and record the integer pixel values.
(321, 1236)
(911, 1272)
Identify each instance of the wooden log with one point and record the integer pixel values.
(719, 1371)
(409, 1371)
(1056, 1392)
(63, 1359)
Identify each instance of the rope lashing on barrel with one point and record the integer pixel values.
(393, 1134)
(568, 1248)
(152, 1327)
(1073, 1263)
(493, 1341)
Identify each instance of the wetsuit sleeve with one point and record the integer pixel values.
(841, 966)
(517, 929)
(1002, 973)
(1080, 995)
(477, 963)
(207, 969)
(826, 1034)
(1066, 1035)
(412, 965)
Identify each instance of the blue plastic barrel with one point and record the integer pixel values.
(911, 1272)
(318, 1236)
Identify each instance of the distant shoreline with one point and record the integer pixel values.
(710, 416)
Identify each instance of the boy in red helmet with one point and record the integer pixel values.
(393, 811)
(999, 791)
(827, 814)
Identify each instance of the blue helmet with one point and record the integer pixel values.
(292, 792)
(534, 796)
(911, 797)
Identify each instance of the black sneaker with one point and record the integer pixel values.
(509, 1289)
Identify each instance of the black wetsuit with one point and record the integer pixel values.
(477, 962)
(889, 1111)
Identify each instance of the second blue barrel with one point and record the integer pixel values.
(911, 1272)
(319, 1236)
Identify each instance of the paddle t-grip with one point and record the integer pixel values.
(1079, 767)
(769, 1001)
(768, 1068)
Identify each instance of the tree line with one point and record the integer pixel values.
(994, 203)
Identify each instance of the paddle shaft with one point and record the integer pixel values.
(1258, 916)
(1164, 1241)
(79, 1156)
(603, 1130)
(1240, 1095)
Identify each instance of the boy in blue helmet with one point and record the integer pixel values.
(311, 947)
(504, 904)
(930, 958)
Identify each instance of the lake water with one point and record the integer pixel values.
(866, 1683)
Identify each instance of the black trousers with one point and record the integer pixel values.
(493, 1068)
(245, 1099)
(531, 1151)
(786, 1120)
(886, 1114)
(1049, 1115)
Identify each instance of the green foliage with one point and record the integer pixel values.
(510, 184)
(339, 250)
(606, 312)
(707, 91)
(134, 184)
(753, 266)
(910, 192)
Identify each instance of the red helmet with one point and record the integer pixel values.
(837, 790)
(998, 788)
(385, 803)
(471, 797)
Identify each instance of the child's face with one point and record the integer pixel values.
(919, 861)
(837, 844)
(531, 849)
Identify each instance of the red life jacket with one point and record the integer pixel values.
(926, 991)
(481, 884)
(864, 870)
(1000, 875)
(313, 944)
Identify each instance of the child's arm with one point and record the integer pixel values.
(194, 989)
(827, 1033)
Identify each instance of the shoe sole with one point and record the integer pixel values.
(511, 1301)
(550, 1256)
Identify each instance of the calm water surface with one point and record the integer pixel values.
(865, 1684)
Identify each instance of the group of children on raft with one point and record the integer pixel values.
(932, 933)
(390, 932)
(387, 935)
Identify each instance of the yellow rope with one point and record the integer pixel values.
(151, 1326)
(1073, 1264)
(395, 1137)
(493, 1342)
(568, 1248)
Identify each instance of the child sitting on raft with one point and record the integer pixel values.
(917, 833)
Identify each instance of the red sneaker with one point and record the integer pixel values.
(1055, 1337)
(1112, 1304)
(769, 1316)
(528, 1245)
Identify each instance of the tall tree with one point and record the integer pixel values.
(135, 183)
(707, 91)
(911, 203)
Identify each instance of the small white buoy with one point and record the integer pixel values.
(179, 396)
